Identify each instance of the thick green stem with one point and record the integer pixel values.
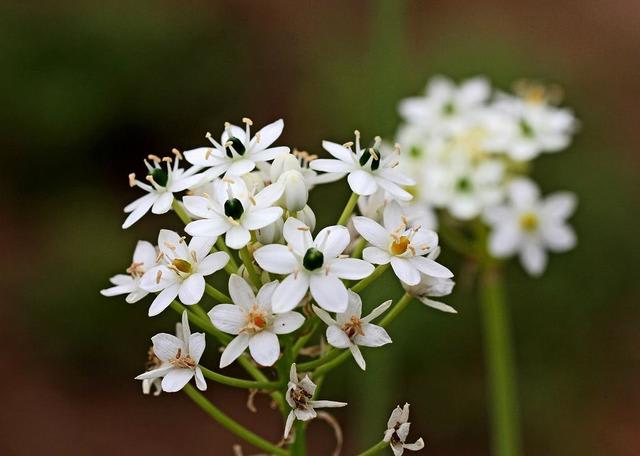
(364, 283)
(180, 211)
(378, 447)
(505, 425)
(231, 267)
(299, 446)
(247, 260)
(238, 382)
(396, 309)
(231, 424)
(348, 209)
(357, 251)
(217, 294)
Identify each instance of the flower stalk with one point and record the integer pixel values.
(348, 209)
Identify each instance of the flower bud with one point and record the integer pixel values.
(271, 234)
(282, 163)
(306, 216)
(254, 181)
(295, 194)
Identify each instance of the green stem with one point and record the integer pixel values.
(396, 310)
(310, 365)
(357, 251)
(232, 266)
(378, 447)
(348, 209)
(299, 447)
(238, 382)
(506, 440)
(302, 340)
(217, 294)
(231, 424)
(364, 283)
(180, 211)
(247, 260)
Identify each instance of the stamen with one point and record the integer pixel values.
(154, 158)
(247, 121)
(167, 159)
(170, 245)
(132, 180)
(208, 153)
(177, 153)
(158, 275)
(304, 228)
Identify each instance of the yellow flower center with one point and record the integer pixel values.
(182, 265)
(400, 245)
(183, 362)
(256, 320)
(529, 221)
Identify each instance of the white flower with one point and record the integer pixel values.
(446, 108)
(372, 206)
(368, 169)
(406, 247)
(179, 357)
(233, 210)
(252, 320)
(144, 258)
(429, 287)
(530, 126)
(299, 397)
(349, 329)
(183, 273)
(529, 226)
(398, 431)
(163, 183)
(316, 265)
(238, 152)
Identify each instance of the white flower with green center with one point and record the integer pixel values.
(299, 397)
(368, 168)
(405, 246)
(184, 269)
(162, 184)
(316, 265)
(144, 258)
(350, 329)
(179, 357)
(529, 226)
(251, 319)
(238, 152)
(233, 210)
(398, 430)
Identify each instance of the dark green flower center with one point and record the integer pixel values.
(448, 109)
(464, 184)
(415, 152)
(526, 129)
(233, 208)
(313, 259)
(237, 146)
(366, 156)
(160, 176)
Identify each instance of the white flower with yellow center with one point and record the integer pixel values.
(299, 397)
(144, 258)
(432, 287)
(368, 168)
(182, 274)
(529, 225)
(179, 357)
(162, 184)
(398, 430)
(252, 320)
(405, 246)
(238, 152)
(350, 329)
(234, 210)
(316, 265)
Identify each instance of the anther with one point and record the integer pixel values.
(177, 153)
(247, 121)
(132, 180)
(158, 276)
(154, 158)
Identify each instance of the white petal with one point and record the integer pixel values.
(326, 404)
(338, 151)
(234, 349)
(351, 268)
(201, 383)
(558, 238)
(228, 318)
(332, 240)
(430, 267)
(405, 271)
(336, 337)
(523, 193)
(328, 165)
(165, 346)
(265, 295)
(374, 336)
(504, 240)
(362, 183)
(264, 348)
(269, 133)
(559, 206)
(197, 205)
(259, 218)
(357, 355)
(211, 227)
(172, 245)
(201, 246)
(197, 344)
(375, 313)
(437, 305)
(150, 282)
(290, 419)
(269, 195)
(376, 255)
(372, 232)
(417, 446)
(290, 292)
(297, 235)
(394, 190)
(237, 237)
(324, 315)
(287, 322)
(213, 263)
(155, 373)
(276, 258)
(162, 204)
(176, 379)
(329, 292)
(192, 289)
(145, 253)
(241, 292)
(533, 258)
(163, 300)
(143, 206)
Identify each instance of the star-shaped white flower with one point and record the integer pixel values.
(233, 210)
(182, 274)
(398, 430)
(368, 168)
(529, 225)
(179, 358)
(144, 258)
(238, 152)
(406, 247)
(432, 287)
(162, 184)
(299, 397)
(312, 264)
(349, 329)
(252, 320)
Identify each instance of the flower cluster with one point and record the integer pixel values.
(244, 201)
(470, 147)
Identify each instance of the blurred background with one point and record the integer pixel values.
(89, 89)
